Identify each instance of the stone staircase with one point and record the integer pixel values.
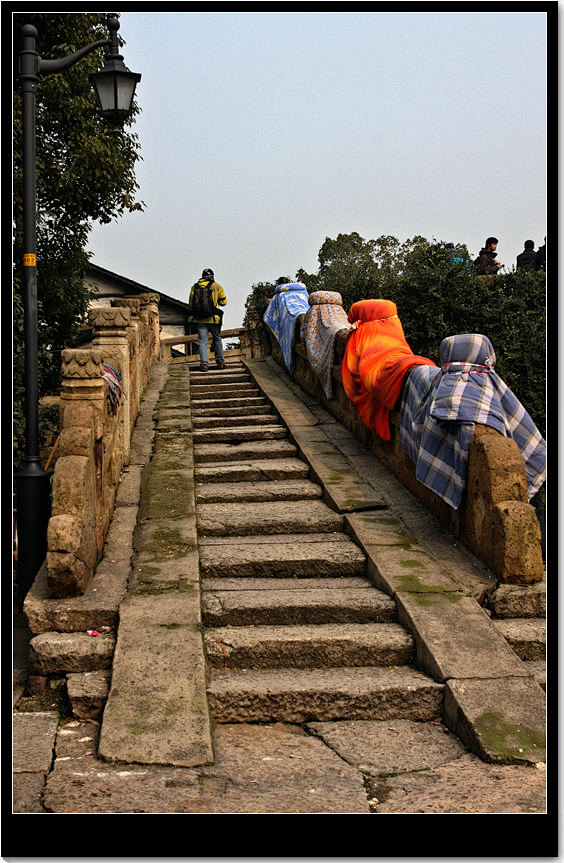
(294, 630)
(251, 524)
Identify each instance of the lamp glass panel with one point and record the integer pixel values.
(105, 90)
(125, 91)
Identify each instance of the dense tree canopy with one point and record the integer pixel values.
(85, 174)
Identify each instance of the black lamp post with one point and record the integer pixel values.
(115, 89)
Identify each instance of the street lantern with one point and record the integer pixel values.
(32, 481)
(114, 83)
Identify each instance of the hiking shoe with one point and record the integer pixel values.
(220, 364)
(204, 367)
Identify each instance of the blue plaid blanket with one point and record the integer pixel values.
(324, 318)
(288, 302)
(439, 408)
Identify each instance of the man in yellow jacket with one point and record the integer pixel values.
(206, 298)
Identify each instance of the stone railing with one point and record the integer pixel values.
(249, 346)
(495, 520)
(94, 439)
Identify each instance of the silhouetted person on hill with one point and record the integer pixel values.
(486, 263)
(527, 259)
(540, 262)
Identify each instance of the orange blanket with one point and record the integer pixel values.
(376, 360)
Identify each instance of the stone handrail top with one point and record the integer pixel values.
(177, 340)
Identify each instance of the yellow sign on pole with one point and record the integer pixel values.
(29, 260)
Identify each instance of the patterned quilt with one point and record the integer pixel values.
(324, 318)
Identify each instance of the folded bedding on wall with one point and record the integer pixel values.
(324, 319)
(440, 407)
(289, 302)
(376, 360)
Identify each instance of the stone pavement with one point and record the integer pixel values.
(369, 766)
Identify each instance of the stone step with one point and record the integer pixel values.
(267, 490)
(70, 652)
(210, 405)
(216, 390)
(537, 667)
(253, 471)
(238, 434)
(308, 605)
(230, 420)
(87, 693)
(240, 584)
(228, 452)
(231, 367)
(519, 600)
(311, 556)
(326, 645)
(243, 411)
(278, 517)
(526, 636)
(215, 376)
(323, 695)
(214, 373)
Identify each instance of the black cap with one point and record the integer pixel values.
(207, 274)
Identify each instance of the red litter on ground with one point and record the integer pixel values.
(93, 632)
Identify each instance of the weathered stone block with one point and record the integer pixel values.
(501, 719)
(33, 741)
(66, 574)
(77, 440)
(88, 693)
(516, 534)
(63, 652)
(77, 414)
(63, 532)
(95, 608)
(497, 468)
(72, 547)
(73, 485)
(515, 600)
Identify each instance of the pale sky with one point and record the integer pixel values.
(263, 133)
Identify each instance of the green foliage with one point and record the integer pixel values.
(85, 174)
(256, 303)
(255, 306)
(436, 298)
(346, 265)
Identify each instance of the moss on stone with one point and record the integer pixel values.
(337, 477)
(154, 587)
(510, 740)
(413, 584)
(167, 542)
(352, 503)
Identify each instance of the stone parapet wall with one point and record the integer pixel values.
(94, 441)
(495, 520)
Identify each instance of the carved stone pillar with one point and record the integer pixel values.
(133, 331)
(110, 327)
(151, 303)
(73, 540)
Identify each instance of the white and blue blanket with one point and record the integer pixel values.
(288, 303)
